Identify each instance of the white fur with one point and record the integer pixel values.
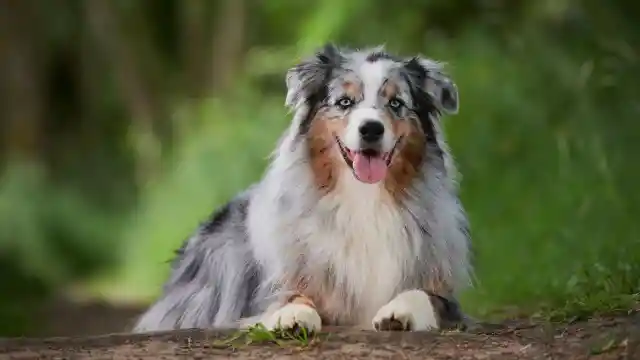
(372, 246)
(352, 231)
(290, 315)
(412, 308)
(372, 78)
(366, 246)
(358, 248)
(356, 119)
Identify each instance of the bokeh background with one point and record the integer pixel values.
(125, 123)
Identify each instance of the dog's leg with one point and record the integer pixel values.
(298, 312)
(417, 310)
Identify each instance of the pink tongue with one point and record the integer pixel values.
(369, 169)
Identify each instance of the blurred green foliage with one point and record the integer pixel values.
(141, 117)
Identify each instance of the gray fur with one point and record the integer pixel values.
(213, 277)
(232, 268)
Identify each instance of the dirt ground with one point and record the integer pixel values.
(598, 338)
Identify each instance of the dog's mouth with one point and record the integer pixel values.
(368, 165)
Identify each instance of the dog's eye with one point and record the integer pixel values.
(395, 104)
(344, 103)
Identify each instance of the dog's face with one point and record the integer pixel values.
(369, 112)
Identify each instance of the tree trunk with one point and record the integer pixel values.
(228, 45)
(119, 50)
(22, 66)
(195, 44)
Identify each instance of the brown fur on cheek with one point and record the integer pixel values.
(324, 155)
(408, 157)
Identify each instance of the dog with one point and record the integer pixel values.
(357, 220)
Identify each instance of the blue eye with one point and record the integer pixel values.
(344, 103)
(395, 104)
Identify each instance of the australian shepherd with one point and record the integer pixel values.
(356, 221)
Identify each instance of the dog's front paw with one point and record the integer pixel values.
(293, 317)
(409, 311)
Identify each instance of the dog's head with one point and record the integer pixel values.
(369, 112)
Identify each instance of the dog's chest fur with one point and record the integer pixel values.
(363, 245)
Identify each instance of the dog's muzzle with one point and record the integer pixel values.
(371, 133)
(368, 163)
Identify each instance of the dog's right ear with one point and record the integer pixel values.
(307, 78)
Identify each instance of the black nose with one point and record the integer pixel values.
(371, 130)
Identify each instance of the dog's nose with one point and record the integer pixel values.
(371, 130)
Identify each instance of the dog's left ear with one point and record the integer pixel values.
(434, 81)
(307, 78)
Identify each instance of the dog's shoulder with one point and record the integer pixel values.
(231, 214)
